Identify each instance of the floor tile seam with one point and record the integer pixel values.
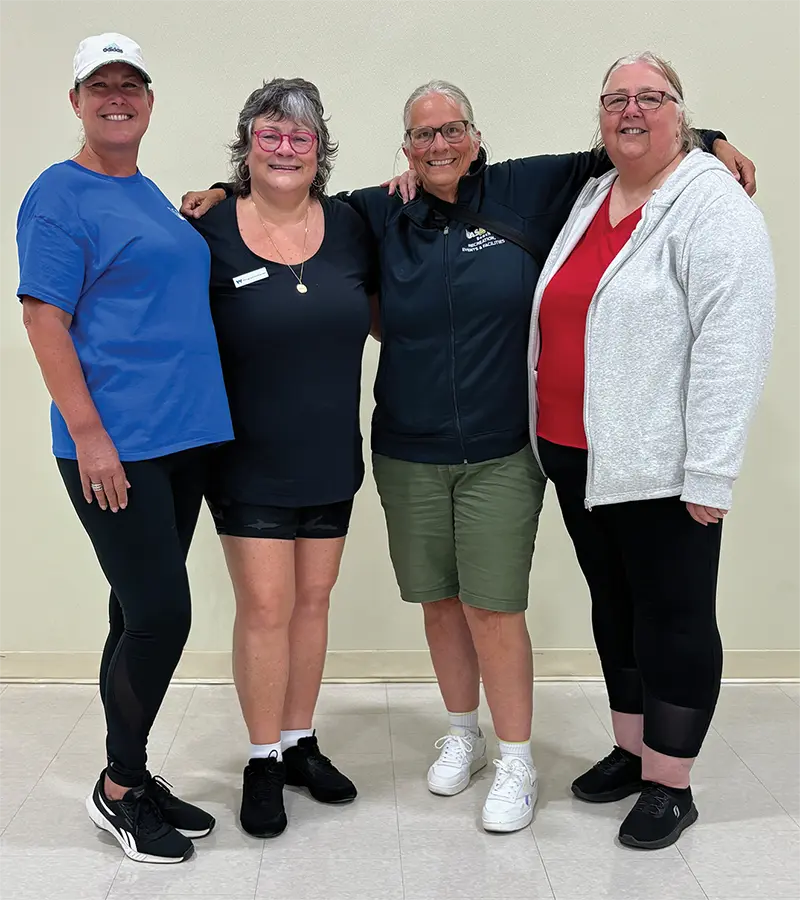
(689, 866)
(50, 763)
(394, 784)
(795, 698)
(544, 864)
(752, 772)
(596, 713)
(179, 726)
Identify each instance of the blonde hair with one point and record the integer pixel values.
(689, 137)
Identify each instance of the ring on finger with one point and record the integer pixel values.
(96, 487)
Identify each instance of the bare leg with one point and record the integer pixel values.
(263, 576)
(503, 647)
(453, 654)
(316, 570)
(671, 771)
(628, 731)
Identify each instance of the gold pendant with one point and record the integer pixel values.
(301, 289)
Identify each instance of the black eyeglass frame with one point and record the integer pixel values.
(465, 122)
(665, 95)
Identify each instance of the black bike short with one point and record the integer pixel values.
(283, 523)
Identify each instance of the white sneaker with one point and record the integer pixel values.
(512, 798)
(461, 757)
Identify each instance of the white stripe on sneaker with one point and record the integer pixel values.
(105, 808)
(123, 837)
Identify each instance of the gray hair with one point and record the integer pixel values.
(283, 98)
(446, 89)
(689, 137)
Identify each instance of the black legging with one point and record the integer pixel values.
(652, 575)
(142, 552)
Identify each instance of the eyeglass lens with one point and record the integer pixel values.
(452, 132)
(644, 100)
(299, 141)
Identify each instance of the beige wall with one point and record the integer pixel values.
(532, 71)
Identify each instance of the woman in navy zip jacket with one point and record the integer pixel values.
(452, 460)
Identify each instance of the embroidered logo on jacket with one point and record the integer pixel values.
(480, 239)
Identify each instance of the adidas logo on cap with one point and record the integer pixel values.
(101, 49)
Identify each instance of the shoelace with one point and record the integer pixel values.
(145, 816)
(265, 781)
(510, 778)
(455, 748)
(610, 762)
(160, 784)
(653, 800)
(315, 754)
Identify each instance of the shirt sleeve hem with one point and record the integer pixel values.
(43, 295)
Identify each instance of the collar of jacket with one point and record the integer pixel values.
(469, 194)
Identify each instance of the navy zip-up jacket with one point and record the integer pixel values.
(455, 308)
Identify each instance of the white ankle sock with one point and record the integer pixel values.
(461, 723)
(262, 751)
(290, 738)
(518, 749)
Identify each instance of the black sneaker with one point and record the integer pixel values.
(307, 767)
(618, 775)
(659, 817)
(191, 821)
(138, 825)
(263, 814)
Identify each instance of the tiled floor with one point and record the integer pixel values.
(397, 841)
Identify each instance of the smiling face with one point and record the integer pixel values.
(635, 136)
(274, 161)
(114, 107)
(441, 164)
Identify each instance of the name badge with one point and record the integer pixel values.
(250, 277)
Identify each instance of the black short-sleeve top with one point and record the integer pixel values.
(291, 362)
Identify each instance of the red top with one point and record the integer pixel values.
(562, 327)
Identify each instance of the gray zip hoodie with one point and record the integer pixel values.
(678, 338)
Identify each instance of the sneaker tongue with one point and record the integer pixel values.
(147, 817)
(454, 749)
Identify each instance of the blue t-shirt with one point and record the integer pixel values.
(132, 272)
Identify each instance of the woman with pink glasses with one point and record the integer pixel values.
(290, 285)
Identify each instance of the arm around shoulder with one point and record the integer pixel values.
(373, 205)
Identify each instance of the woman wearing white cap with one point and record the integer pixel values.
(114, 287)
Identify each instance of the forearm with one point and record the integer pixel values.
(63, 375)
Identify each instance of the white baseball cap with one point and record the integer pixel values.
(101, 49)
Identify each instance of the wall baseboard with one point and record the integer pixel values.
(377, 665)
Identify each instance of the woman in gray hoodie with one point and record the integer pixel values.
(651, 334)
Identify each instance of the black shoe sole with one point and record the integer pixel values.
(194, 835)
(265, 834)
(689, 819)
(337, 801)
(620, 793)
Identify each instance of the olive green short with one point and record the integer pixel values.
(464, 531)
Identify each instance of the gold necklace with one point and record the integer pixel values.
(299, 287)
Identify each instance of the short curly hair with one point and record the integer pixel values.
(283, 98)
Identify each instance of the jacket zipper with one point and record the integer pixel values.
(452, 344)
